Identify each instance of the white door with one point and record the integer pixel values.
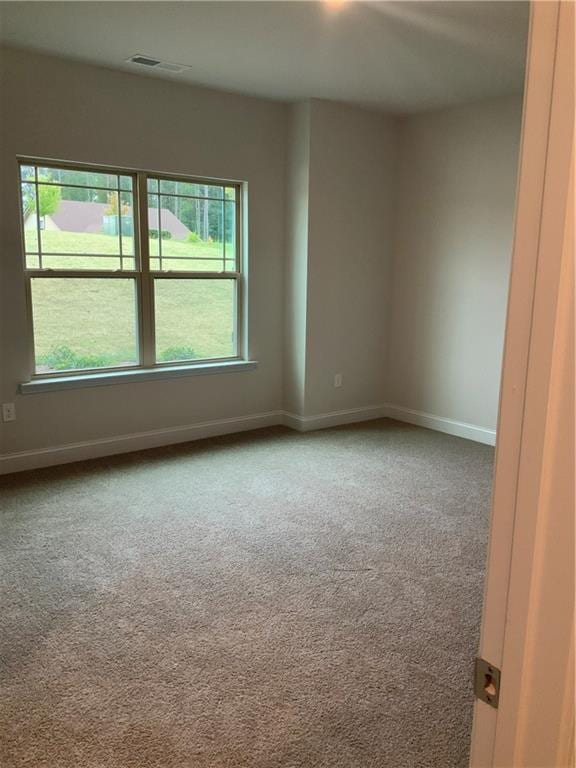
(528, 605)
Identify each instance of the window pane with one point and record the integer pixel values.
(126, 223)
(153, 233)
(185, 264)
(84, 178)
(30, 221)
(72, 261)
(27, 172)
(230, 228)
(170, 187)
(195, 319)
(83, 323)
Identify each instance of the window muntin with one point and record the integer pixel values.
(83, 227)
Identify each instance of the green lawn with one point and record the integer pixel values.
(91, 322)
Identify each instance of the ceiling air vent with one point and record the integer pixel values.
(148, 61)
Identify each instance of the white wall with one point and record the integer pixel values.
(66, 110)
(296, 267)
(343, 171)
(352, 191)
(455, 215)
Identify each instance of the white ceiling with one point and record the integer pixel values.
(396, 56)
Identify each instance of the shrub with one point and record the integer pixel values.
(63, 359)
(193, 237)
(177, 353)
(166, 235)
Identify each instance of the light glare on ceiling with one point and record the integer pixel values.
(335, 5)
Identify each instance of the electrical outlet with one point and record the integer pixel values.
(337, 379)
(8, 412)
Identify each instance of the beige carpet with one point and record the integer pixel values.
(265, 600)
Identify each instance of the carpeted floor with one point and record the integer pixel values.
(266, 600)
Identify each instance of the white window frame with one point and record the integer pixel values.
(144, 280)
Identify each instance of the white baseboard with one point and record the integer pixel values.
(441, 424)
(333, 418)
(92, 449)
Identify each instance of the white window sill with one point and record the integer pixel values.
(106, 378)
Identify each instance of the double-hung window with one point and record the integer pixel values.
(129, 270)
